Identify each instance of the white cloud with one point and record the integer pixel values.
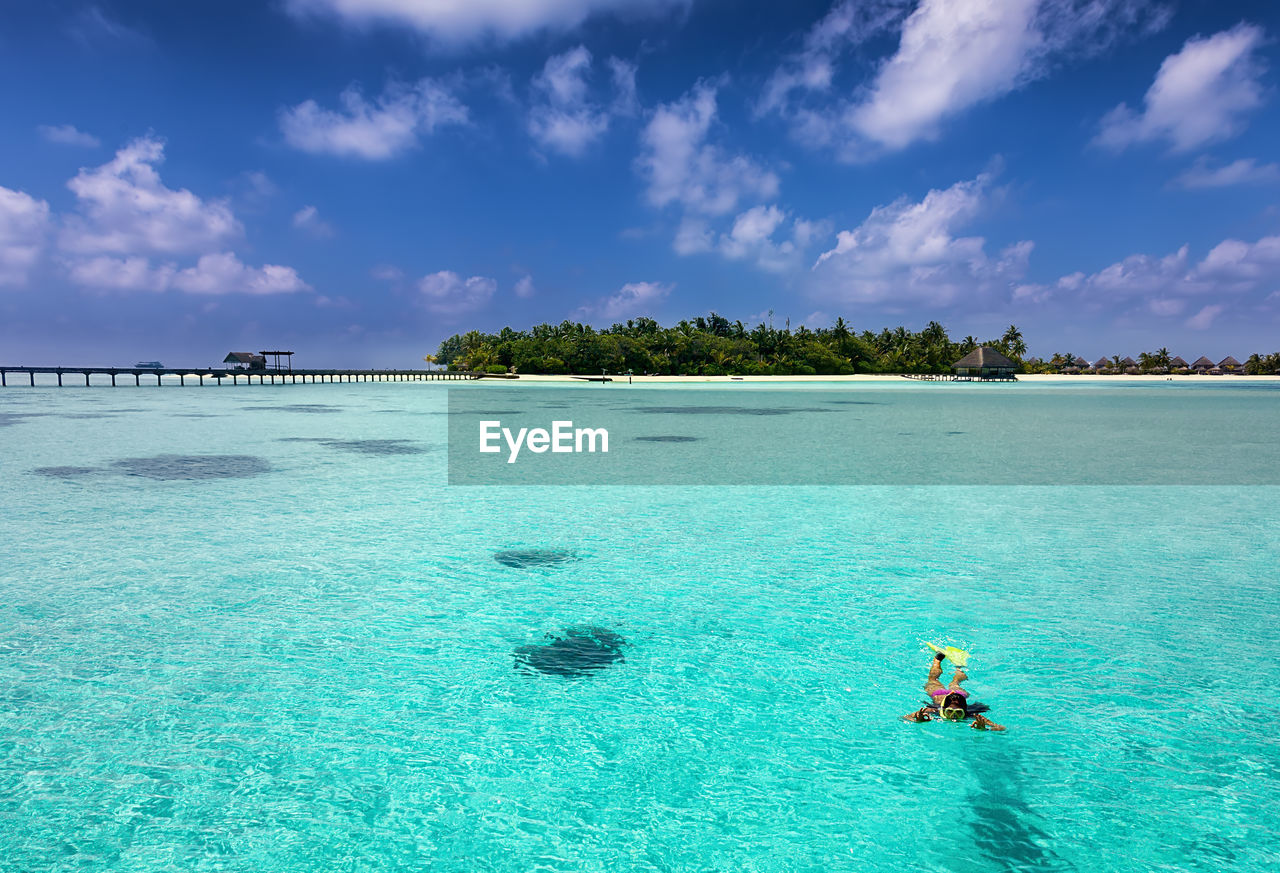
(308, 219)
(24, 221)
(223, 273)
(524, 287)
(1163, 285)
(952, 55)
(1203, 319)
(563, 118)
(447, 293)
(681, 167)
(1200, 95)
(108, 273)
(213, 274)
(125, 209)
(372, 131)
(910, 251)
(459, 21)
(126, 216)
(631, 300)
(849, 23)
(751, 237)
(387, 273)
(1245, 171)
(66, 134)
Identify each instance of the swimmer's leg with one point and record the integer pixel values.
(935, 674)
(958, 678)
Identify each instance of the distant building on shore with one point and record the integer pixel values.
(1202, 365)
(1229, 365)
(985, 362)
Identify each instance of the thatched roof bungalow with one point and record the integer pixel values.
(1229, 364)
(1102, 363)
(1128, 362)
(1202, 364)
(1177, 363)
(985, 362)
(246, 361)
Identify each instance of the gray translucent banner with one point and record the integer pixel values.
(919, 434)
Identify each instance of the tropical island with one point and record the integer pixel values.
(715, 346)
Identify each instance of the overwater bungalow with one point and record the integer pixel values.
(246, 361)
(1202, 365)
(1229, 365)
(984, 362)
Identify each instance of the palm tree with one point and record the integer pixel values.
(1012, 340)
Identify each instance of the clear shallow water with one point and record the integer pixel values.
(310, 666)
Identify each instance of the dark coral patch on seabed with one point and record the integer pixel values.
(577, 652)
(523, 559)
(187, 467)
(64, 472)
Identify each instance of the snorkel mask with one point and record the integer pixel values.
(953, 708)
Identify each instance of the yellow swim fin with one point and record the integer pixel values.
(959, 657)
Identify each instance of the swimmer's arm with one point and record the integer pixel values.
(919, 715)
(982, 723)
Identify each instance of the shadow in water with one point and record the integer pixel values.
(667, 439)
(178, 467)
(577, 652)
(524, 559)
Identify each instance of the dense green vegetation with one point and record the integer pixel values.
(714, 346)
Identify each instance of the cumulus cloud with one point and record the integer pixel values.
(66, 134)
(24, 222)
(372, 130)
(681, 167)
(124, 207)
(911, 251)
(952, 55)
(1200, 95)
(213, 274)
(754, 236)
(128, 225)
(849, 23)
(446, 293)
(460, 21)
(563, 118)
(1245, 171)
(308, 219)
(524, 287)
(1164, 285)
(632, 300)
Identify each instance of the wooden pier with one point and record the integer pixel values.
(952, 377)
(262, 377)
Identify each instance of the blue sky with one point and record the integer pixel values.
(357, 179)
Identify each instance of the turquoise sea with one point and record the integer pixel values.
(254, 629)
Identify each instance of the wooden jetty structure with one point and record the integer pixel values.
(263, 377)
(952, 377)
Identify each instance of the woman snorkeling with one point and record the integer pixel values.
(952, 702)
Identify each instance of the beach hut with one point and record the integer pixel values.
(1177, 363)
(246, 361)
(1229, 365)
(1128, 364)
(1101, 364)
(985, 362)
(1202, 365)
(1082, 363)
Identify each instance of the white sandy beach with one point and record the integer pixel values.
(1047, 378)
